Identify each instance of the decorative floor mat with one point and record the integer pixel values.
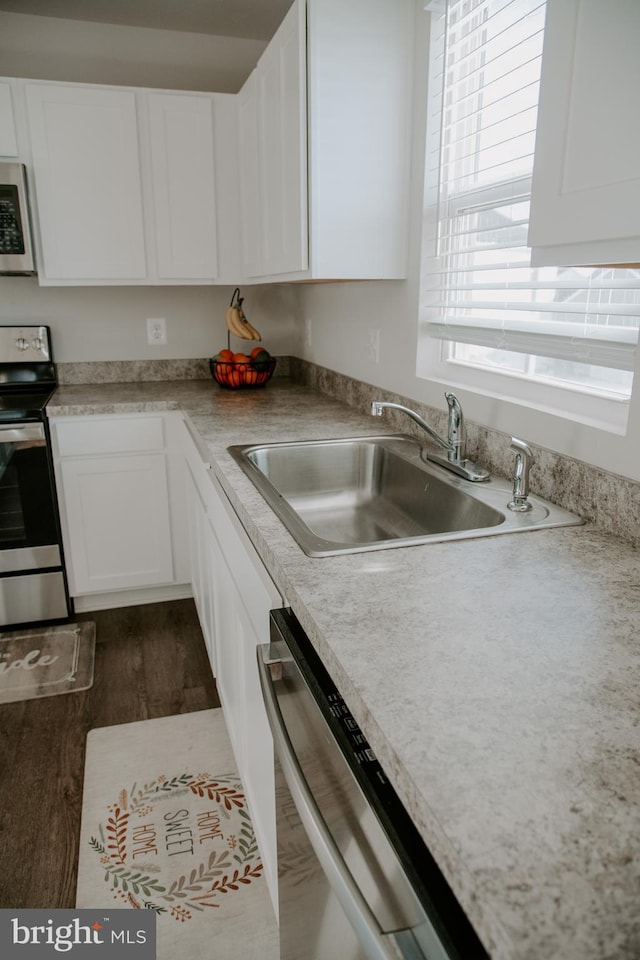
(46, 662)
(165, 827)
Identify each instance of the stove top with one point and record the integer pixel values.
(27, 373)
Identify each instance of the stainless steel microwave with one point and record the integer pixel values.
(16, 247)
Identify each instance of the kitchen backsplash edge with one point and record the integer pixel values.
(136, 371)
(609, 501)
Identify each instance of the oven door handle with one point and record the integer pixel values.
(376, 944)
(21, 434)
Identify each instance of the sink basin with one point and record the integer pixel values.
(371, 493)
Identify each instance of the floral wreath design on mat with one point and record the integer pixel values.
(233, 865)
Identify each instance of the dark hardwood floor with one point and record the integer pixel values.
(150, 662)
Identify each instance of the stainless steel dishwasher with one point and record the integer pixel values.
(355, 880)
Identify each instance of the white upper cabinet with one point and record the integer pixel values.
(360, 76)
(184, 202)
(282, 146)
(86, 165)
(125, 184)
(585, 206)
(8, 142)
(330, 105)
(249, 173)
(303, 175)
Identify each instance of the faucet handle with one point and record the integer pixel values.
(524, 461)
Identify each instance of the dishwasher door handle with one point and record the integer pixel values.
(377, 944)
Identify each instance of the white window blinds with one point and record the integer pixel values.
(477, 283)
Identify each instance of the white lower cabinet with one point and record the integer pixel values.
(118, 521)
(141, 508)
(118, 484)
(234, 594)
(202, 547)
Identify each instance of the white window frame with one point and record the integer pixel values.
(572, 421)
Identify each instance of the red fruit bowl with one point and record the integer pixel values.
(238, 375)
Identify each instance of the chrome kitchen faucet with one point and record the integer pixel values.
(456, 441)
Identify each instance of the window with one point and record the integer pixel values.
(569, 333)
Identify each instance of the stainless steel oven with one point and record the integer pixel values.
(355, 879)
(16, 245)
(33, 586)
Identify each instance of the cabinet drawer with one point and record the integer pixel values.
(94, 436)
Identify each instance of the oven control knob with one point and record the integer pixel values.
(22, 344)
(37, 343)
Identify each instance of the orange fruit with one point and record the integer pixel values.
(240, 358)
(225, 354)
(262, 360)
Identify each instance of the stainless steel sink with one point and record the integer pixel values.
(372, 493)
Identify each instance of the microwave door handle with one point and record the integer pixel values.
(375, 943)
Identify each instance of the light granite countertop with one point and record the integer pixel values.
(497, 680)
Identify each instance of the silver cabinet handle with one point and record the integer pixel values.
(376, 944)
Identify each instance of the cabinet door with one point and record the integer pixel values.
(243, 596)
(238, 685)
(182, 162)
(360, 93)
(117, 514)
(87, 176)
(201, 561)
(257, 747)
(249, 167)
(233, 606)
(282, 93)
(227, 612)
(8, 142)
(585, 205)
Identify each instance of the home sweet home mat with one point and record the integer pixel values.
(165, 827)
(46, 662)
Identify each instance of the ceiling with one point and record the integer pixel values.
(248, 19)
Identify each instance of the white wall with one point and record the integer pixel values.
(48, 48)
(109, 323)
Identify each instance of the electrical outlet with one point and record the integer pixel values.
(373, 346)
(156, 331)
(307, 332)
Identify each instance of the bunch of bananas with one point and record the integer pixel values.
(237, 322)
